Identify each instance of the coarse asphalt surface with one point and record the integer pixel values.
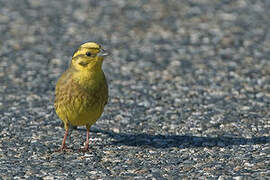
(189, 89)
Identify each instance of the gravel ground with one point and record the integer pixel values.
(189, 89)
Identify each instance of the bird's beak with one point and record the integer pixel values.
(103, 53)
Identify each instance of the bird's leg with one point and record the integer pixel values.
(63, 146)
(87, 139)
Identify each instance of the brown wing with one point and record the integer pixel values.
(100, 93)
(105, 91)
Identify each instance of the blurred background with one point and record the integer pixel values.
(177, 68)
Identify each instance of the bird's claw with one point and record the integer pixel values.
(63, 149)
(85, 149)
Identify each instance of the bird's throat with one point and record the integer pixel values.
(88, 79)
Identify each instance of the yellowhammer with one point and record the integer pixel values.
(82, 91)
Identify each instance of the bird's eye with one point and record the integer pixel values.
(88, 54)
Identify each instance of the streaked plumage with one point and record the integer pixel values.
(82, 92)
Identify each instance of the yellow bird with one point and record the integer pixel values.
(82, 91)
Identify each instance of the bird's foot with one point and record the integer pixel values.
(85, 149)
(63, 149)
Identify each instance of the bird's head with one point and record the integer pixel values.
(88, 57)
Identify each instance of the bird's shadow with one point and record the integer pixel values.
(179, 141)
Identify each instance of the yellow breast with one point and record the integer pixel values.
(80, 102)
